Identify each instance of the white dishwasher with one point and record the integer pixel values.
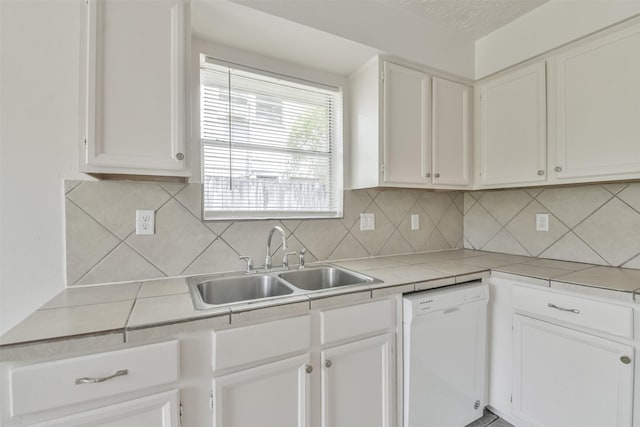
(445, 341)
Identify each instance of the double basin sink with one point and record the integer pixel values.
(208, 292)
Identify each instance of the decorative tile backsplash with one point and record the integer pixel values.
(597, 224)
(102, 245)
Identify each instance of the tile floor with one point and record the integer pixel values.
(490, 419)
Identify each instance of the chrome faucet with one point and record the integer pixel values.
(267, 260)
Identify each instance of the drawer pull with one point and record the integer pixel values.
(87, 380)
(570, 310)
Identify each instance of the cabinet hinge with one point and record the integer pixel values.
(511, 398)
(382, 76)
(181, 412)
(211, 400)
(382, 168)
(85, 143)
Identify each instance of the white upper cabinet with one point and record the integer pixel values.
(394, 117)
(512, 128)
(135, 88)
(450, 132)
(597, 109)
(406, 147)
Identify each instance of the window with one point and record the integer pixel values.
(270, 145)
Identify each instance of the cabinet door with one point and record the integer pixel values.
(406, 114)
(160, 410)
(135, 93)
(357, 383)
(598, 106)
(565, 378)
(450, 132)
(272, 395)
(512, 129)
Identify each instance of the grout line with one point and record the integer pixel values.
(94, 266)
(145, 258)
(199, 255)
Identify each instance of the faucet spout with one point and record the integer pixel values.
(267, 260)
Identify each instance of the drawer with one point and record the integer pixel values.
(250, 344)
(599, 315)
(64, 382)
(357, 320)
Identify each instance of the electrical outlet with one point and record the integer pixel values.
(145, 222)
(415, 222)
(367, 221)
(542, 222)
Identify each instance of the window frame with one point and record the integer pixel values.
(337, 157)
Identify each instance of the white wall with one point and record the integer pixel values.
(381, 26)
(39, 110)
(551, 25)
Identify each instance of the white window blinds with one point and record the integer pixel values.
(269, 146)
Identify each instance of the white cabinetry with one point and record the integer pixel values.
(511, 129)
(451, 142)
(597, 105)
(275, 394)
(409, 129)
(334, 368)
(559, 358)
(565, 378)
(406, 145)
(159, 410)
(135, 88)
(125, 387)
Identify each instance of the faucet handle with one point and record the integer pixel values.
(249, 261)
(301, 258)
(285, 259)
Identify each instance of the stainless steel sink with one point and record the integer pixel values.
(209, 292)
(317, 278)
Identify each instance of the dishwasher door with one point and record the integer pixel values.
(445, 365)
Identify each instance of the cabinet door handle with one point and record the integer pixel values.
(437, 175)
(625, 359)
(427, 175)
(570, 310)
(328, 363)
(558, 169)
(180, 156)
(89, 380)
(540, 172)
(308, 368)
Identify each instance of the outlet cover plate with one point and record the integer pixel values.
(145, 222)
(542, 222)
(367, 221)
(415, 222)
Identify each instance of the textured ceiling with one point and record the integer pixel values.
(474, 17)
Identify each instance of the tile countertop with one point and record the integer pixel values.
(125, 312)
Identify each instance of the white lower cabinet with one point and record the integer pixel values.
(565, 378)
(334, 368)
(275, 394)
(356, 383)
(160, 410)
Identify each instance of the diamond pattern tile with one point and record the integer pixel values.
(504, 205)
(505, 242)
(355, 202)
(571, 248)
(631, 196)
(373, 241)
(573, 204)
(479, 226)
(435, 204)
(113, 203)
(395, 204)
(522, 227)
(87, 242)
(179, 239)
(183, 244)
(321, 236)
(610, 232)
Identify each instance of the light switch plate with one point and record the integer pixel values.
(415, 222)
(542, 222)
(367, 221)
